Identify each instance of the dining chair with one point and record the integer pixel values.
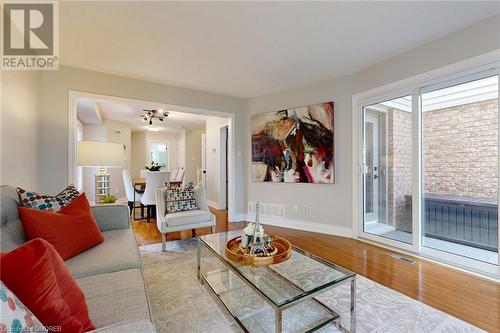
(173, 175)
(154, 180)
(180, 175)
(132, 193)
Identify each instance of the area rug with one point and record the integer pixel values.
(180, 304)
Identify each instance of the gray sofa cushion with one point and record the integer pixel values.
(118, 251)
(12, 234)
(115, 297)
(137, 326)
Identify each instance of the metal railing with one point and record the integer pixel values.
(463, 220)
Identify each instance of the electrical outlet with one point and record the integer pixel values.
(295, 208)
(305, 209)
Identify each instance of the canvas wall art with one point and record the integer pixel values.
(294, 145)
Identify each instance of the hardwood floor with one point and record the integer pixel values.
(465, 296)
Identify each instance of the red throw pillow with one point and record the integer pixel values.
(37, 275)
(71, 231)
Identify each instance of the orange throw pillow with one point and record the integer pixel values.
(71, 231)
(36, 274)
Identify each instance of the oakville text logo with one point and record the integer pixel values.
(30, 39)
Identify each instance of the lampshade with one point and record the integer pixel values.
(100, 154)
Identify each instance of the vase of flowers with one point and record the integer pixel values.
(153, 166)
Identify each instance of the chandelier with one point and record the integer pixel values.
(150, 115)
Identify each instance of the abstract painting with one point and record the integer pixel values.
(294, 145)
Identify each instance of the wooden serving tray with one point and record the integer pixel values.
(236, 253)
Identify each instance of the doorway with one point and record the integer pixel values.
(189, 112)
(372, 165)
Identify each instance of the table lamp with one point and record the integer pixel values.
(101, 155)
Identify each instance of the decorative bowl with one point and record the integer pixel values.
(282, 251)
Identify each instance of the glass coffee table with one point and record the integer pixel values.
(275, 298)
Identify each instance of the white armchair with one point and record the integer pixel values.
(185, 220)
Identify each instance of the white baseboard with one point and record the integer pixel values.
(304, 225)
(213, 204)
(239, 218)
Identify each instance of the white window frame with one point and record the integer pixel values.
(474, 68)
(167, 143)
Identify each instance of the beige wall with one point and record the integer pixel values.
(140, 149)
(173, 140)
(213, 161)
(329, 203)
(53, 136)
(19, 118)
(106, 133)
(477, 39)
(461, 150)
(139, 153)
(193, 154)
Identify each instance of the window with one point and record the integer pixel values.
(158, 153)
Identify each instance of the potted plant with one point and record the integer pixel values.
(153, 166)
(108, 199)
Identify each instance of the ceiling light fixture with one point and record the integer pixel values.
(150, 115)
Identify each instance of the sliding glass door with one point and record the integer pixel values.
(460, 169)
(430, 169)
(387, 146)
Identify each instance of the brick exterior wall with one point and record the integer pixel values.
(460, 156)
(461, 150)
(399, 129)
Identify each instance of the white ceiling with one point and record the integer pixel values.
(94, 110)
(247, 49)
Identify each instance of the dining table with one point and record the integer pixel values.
(141, 182)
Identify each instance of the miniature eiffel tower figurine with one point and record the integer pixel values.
(257, 247)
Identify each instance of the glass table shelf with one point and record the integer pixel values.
(257, 296)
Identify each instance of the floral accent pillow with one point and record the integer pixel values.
(15, 316)
(47, 202)
(181, 198)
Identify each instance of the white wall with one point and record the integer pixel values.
(19, 118)
(213, 158)
(331, 204)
